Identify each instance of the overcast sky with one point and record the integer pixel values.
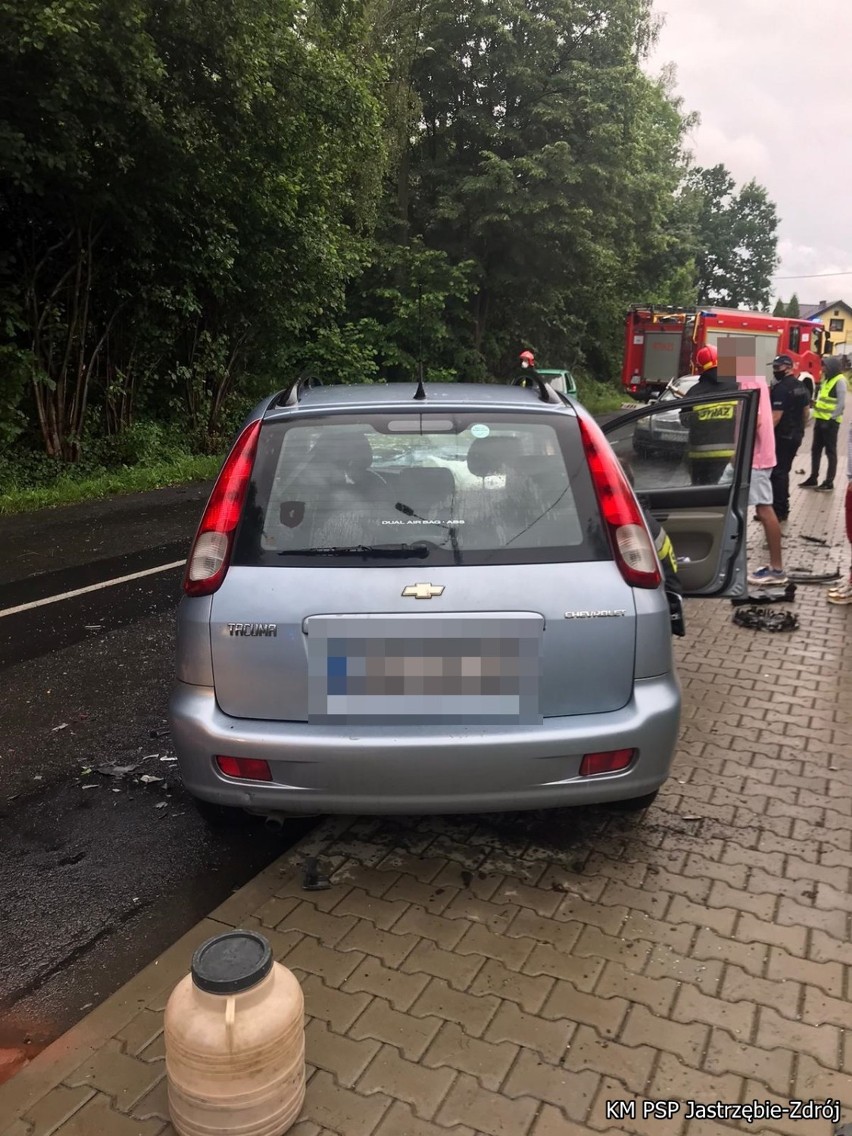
(771, 82)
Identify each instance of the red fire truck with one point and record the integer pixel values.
(660, 343)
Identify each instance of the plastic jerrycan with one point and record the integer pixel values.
(235, 1041)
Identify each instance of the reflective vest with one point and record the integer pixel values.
(712, 426)
(826, 400)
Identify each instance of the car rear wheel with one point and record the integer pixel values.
(634, 804)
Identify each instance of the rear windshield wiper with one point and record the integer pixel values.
(388, 551)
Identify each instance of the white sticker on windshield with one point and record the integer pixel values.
(480, 430)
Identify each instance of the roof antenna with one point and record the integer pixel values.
(420, 393)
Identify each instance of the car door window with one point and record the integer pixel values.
(689, 461)
(681, 445)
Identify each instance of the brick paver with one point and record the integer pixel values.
(522, 975)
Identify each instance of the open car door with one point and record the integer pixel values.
(690, 463)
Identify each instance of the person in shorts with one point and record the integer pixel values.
(738, 357)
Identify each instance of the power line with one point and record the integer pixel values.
(813, 275)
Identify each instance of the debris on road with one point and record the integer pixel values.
(312, 878)
(803, 576)
(116, 770)
(786, 594)
(816, 540)
(759, 619)
(63, 726)
(149, 778)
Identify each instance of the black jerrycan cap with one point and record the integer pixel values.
(231, 962)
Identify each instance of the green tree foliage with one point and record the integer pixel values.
(183, 186)
(793, 309)
(780, 308)
(200, 197)
(545, 158)
(736, 231)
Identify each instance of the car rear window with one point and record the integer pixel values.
(450, 488)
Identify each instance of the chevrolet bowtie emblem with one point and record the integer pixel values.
(422, 591)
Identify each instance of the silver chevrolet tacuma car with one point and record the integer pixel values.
(409, 599)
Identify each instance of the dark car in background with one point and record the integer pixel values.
(664, 435)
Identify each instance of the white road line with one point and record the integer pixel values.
(91, 588)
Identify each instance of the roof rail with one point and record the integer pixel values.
(546, 393)
(293, 394)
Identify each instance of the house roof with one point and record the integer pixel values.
(808, 311)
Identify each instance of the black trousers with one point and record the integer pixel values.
(785, 451)
(825, 438)
(706, 471)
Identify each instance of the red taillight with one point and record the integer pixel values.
(211, 549)
(629, 536)
(608, 762)
(246, 768)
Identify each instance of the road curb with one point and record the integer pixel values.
(46, 1071)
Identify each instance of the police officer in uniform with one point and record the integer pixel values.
(712, 426)
(790, 401)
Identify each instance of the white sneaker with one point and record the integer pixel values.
(842, 594)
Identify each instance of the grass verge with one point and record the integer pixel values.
(600, 398)
(136, 479)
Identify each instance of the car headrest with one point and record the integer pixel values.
(421, 488)
(544, 474)
(347, 452)
(488, 456)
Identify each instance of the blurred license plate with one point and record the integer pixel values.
(451, 669)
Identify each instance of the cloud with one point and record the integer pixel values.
(769, 114)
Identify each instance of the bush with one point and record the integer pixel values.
(144, 444)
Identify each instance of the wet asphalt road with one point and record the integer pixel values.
(95, 879)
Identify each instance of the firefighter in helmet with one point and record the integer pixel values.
(712, 426)
(526, 367)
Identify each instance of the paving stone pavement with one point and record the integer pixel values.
(511, 975)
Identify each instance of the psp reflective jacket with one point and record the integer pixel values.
(712, 426)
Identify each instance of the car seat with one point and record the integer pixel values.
(495, 511)
(341, 491)
(425, 492)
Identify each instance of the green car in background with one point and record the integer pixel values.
(560, 380)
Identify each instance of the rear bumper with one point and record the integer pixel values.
(391, 769)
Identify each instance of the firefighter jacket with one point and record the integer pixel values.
(830, 399)
(665, 553)
(711, 426)
(668, 561)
